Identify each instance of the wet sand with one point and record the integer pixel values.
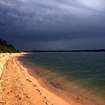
(71, 91)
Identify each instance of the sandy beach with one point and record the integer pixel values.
(19, 87)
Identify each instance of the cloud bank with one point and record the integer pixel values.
(56, 24)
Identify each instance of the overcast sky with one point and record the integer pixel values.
(53, 24)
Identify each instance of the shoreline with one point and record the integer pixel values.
(21, 86)
(77, 93)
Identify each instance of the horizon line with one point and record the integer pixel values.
(89, 50)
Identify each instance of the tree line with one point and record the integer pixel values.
(6, 47)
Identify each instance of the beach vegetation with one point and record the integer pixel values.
(6, 47)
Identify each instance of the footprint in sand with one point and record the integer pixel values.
(45, 98)
(28, 80)
(18, 97)
(34, 85)
(9, 92)
(27, 96)
(39, 91)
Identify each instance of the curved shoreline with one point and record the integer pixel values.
(21, 87)
(75, 92)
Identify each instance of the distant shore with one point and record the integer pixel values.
(92, 50)
(21, 85)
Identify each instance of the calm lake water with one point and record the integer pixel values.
(87, 67)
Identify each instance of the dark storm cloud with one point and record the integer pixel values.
(59, 24)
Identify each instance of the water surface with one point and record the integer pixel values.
(88, 68)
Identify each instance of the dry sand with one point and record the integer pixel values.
(18, 87)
